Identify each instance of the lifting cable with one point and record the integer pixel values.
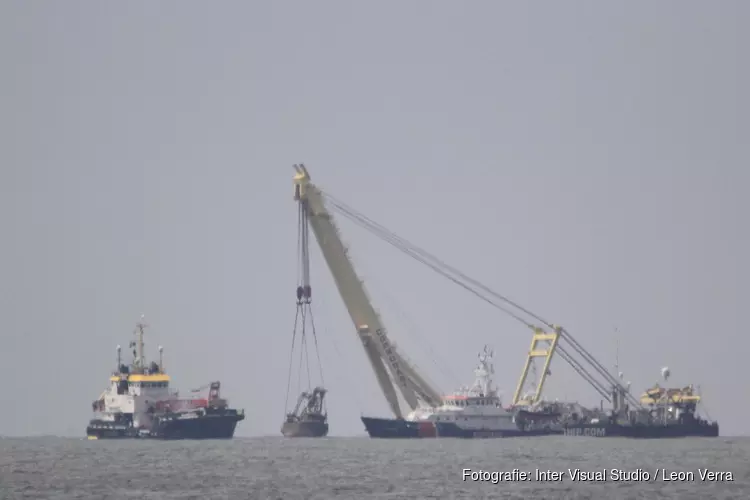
(291, 357)
(305, 223)
(472, 285)
(304, 308)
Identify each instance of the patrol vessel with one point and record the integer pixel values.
(139, 403)
(470, 412)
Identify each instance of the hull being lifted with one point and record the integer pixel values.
(309, 428)
(309, 418)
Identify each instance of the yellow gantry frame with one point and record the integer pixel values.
(536, 352)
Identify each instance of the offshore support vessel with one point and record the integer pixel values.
(663, 413)
(140, 404)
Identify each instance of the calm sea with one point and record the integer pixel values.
(362, 468)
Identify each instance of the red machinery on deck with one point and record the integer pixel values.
(185, 404)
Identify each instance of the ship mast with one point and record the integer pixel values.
(389, 366)
(139, 361)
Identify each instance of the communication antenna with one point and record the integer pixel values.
(617, 351)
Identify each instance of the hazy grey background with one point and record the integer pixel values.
(587, 158)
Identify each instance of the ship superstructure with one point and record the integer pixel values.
(139, 402)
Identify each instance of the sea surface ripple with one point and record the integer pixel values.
(360, 468)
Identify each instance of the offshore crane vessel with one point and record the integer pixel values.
(531, 413)
(478, 406)
(140, 404)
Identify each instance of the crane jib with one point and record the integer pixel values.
(391, 356)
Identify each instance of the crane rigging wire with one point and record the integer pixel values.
(471, 285)
(305, 224)
(303, 356)
(342, 207)
(404, 247)
(291, 358)
(317, 350)
(416, 254)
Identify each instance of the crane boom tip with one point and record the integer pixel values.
(301, 171)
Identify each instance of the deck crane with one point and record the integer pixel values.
(391, 368)
(560, 341)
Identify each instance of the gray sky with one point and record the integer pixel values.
(589, 159)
